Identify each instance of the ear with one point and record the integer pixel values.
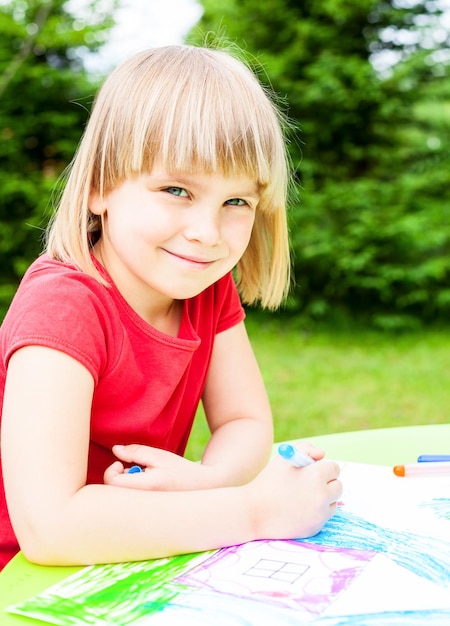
(97, 204)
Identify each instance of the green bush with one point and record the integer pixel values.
(370, 223)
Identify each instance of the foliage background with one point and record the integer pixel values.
(369, 219)
(45, 96)
(370, 226)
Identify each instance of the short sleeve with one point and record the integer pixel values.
(232, 311)
(62, 310)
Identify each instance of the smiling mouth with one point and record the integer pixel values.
(194, 261)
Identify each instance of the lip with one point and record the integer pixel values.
(191, 260)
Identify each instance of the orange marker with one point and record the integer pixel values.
(440, 468)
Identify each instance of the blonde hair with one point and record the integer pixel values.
(191, 109)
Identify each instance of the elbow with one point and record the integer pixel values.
(37, 549)
(42, 553)
(35, 555)
(44, 546)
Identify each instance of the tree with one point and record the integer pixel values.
(370, 230)
(45, 94)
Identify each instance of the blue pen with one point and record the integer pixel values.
(294, 456)
(135, 469)
(433, 458)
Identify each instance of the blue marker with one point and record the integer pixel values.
(433, 458)
(294, 456)
(135, 469)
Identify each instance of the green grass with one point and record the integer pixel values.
(327, 381)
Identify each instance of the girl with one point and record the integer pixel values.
(132, 316)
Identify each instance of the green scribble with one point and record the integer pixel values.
(105, 594)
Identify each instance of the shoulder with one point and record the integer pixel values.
(56, 275)
(59, 306)
(57, 285)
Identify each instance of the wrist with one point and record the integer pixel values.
(255, 506)
(216, 476)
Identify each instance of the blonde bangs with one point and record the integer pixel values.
(198, 122)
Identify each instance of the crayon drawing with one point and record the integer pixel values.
(425, 556)
(382, 559)
(287, 573)
(119, 593)
(439, 506)
(438, 617)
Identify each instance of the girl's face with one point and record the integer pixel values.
(167, 236)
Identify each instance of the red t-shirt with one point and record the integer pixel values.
(147, 384)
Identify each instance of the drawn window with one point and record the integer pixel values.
(277, 570)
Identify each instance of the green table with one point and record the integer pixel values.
(387, 446)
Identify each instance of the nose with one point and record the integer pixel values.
(203, 225)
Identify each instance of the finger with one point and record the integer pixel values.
(116, 469)
(311, 450)
(330, 469)
(138, 454)
(131, 481)
(333, 508)
(316, 453)
(335, 489)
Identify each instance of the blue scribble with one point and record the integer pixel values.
(439, 506)
(424, 556)
(436, 617)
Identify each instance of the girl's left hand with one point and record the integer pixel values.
(162, 470)
(166, 471)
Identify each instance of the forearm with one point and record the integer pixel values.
(104, 523)
(108, 524)
(239, 449)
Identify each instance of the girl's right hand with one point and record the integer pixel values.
(291, 502)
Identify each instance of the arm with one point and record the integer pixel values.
(240, 420)
(237, 410)
(239, 417)
(58, 519)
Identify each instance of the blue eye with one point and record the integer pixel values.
(177, 191)
(236, 202)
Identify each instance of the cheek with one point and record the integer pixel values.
(245, 233)
(134, 225)
(239, 231)
(123, 235)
